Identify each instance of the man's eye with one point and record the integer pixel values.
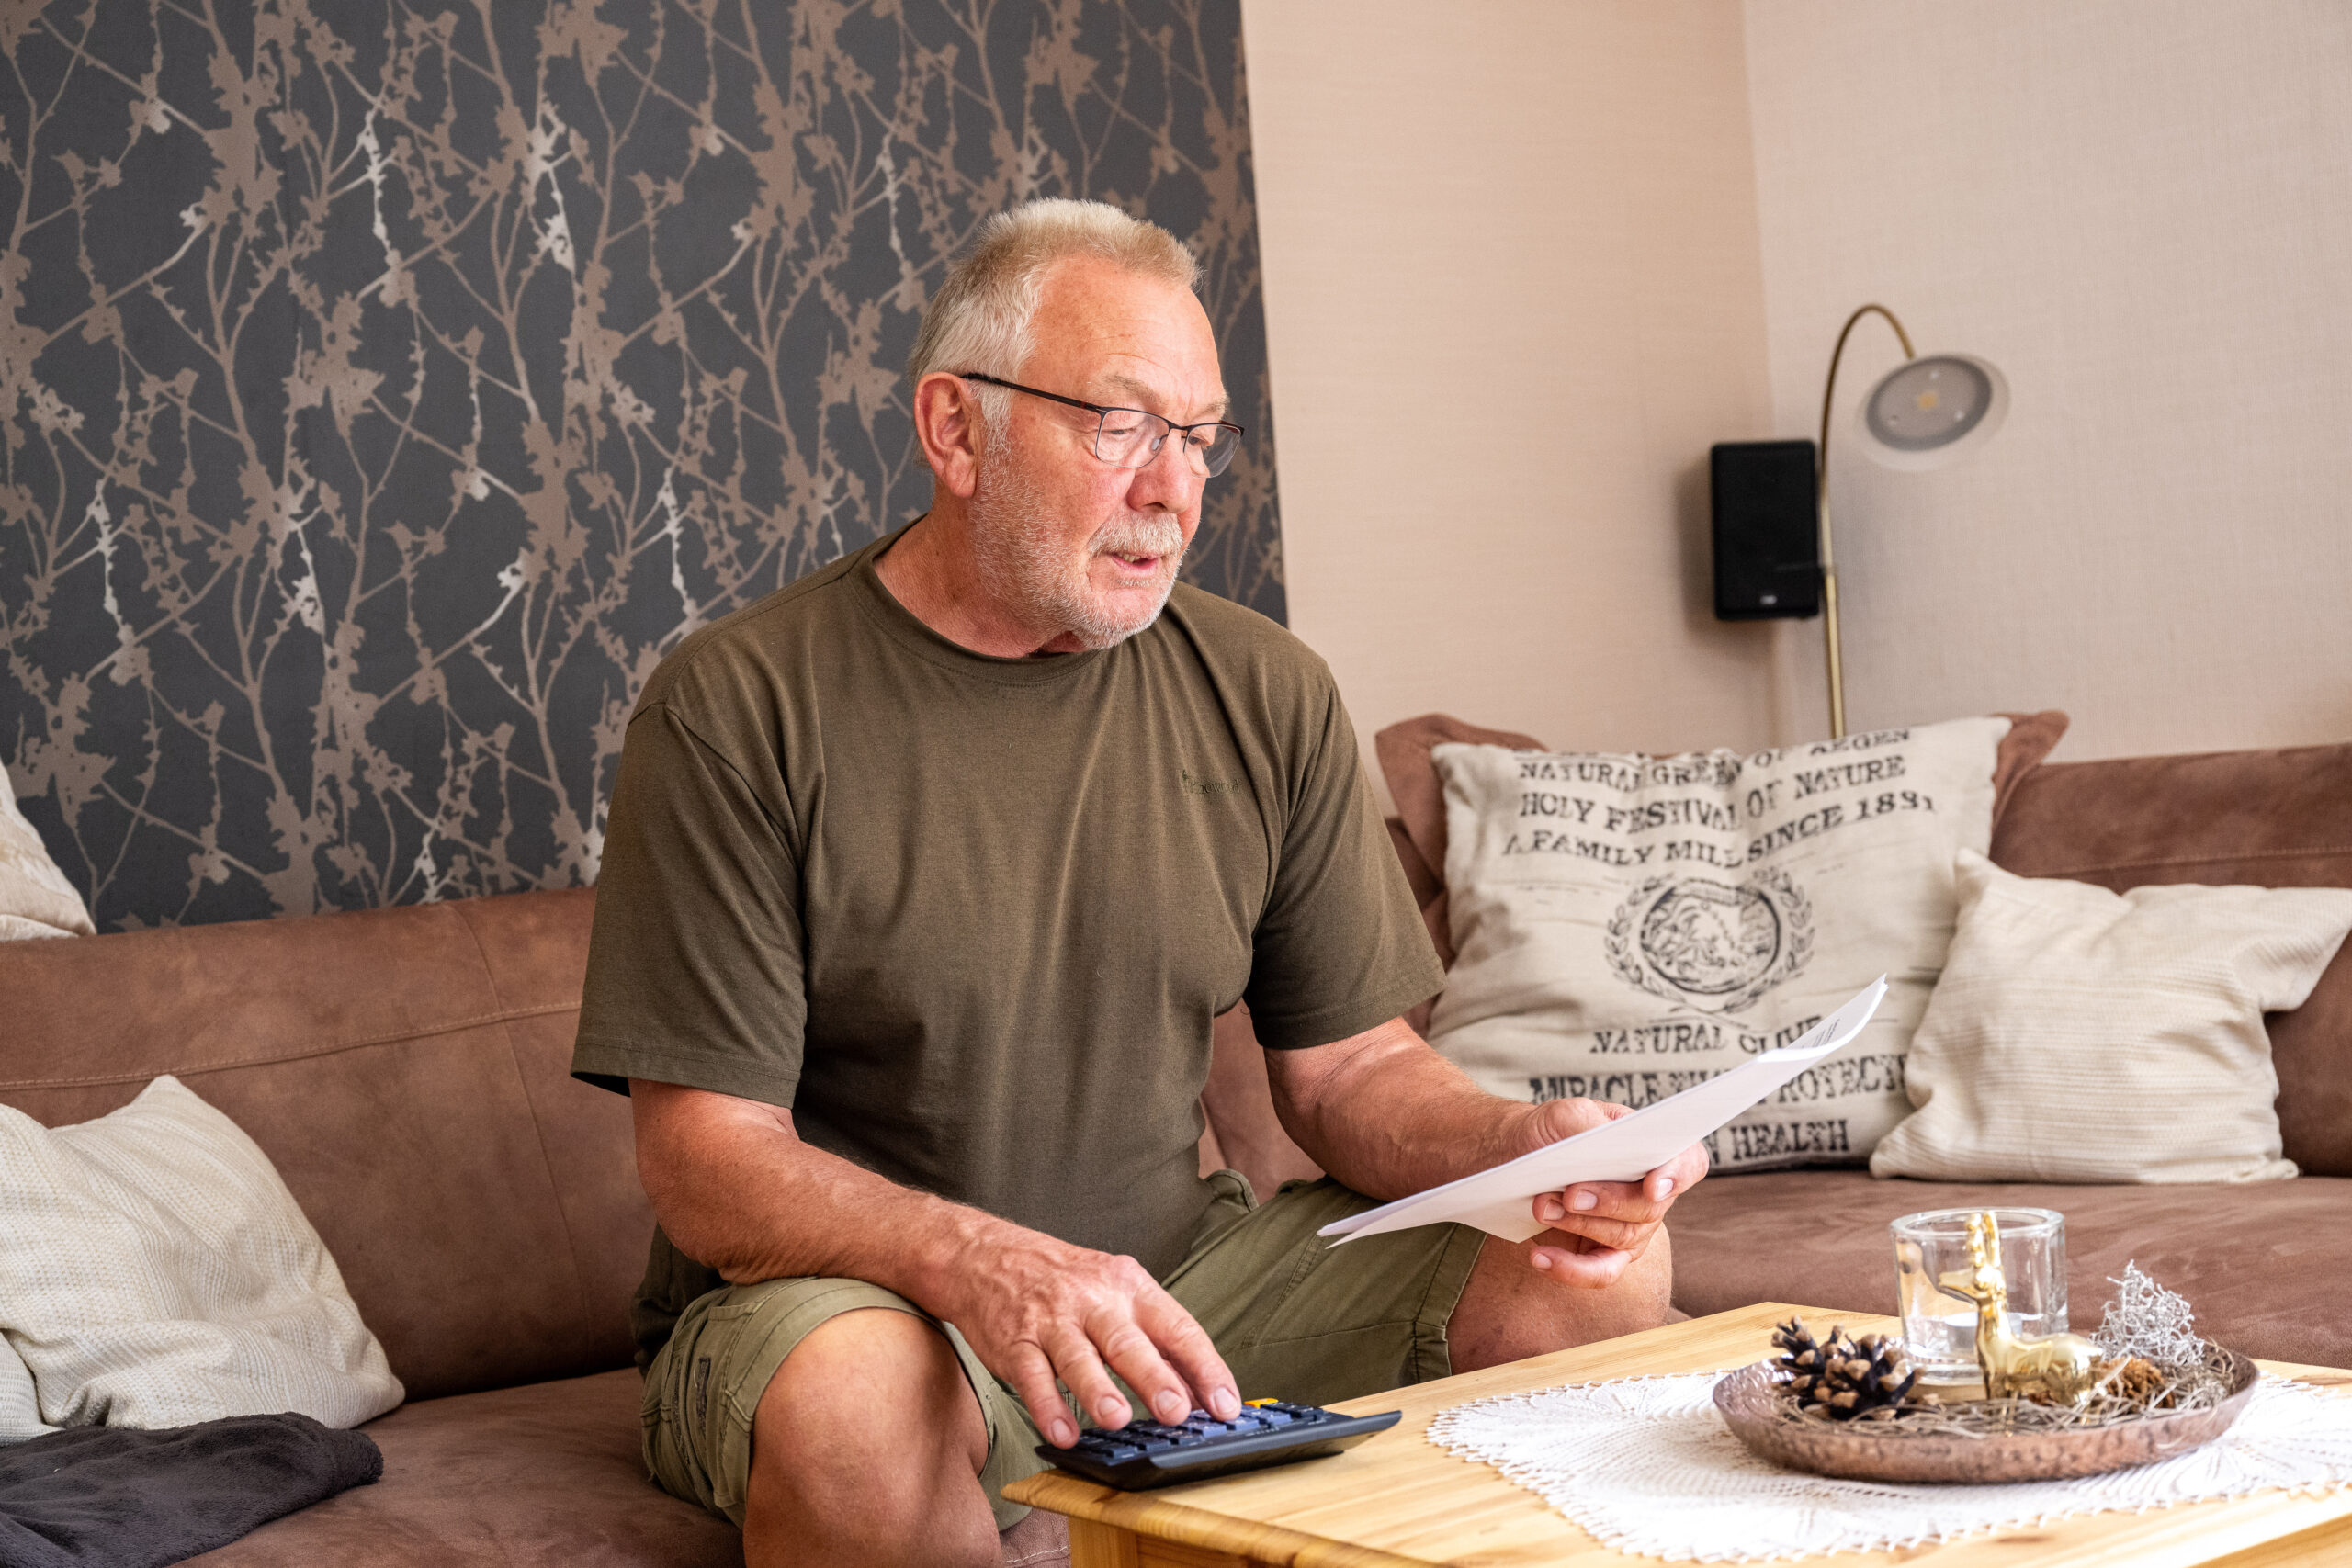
(1200, 440)
(1120, 430)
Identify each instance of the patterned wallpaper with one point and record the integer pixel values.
(388, 384)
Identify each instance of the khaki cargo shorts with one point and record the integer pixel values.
(1292, 1316)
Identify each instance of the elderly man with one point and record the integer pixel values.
(924, 881)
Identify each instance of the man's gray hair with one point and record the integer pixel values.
(979, 319)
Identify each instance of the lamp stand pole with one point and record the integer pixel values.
(1821, 506)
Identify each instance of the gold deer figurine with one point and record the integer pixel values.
(2060, 1368)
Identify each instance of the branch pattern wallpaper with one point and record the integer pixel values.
(386, 385)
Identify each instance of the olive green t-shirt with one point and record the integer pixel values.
(969, 918)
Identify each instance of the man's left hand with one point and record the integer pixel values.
(1388, 1116)
(1599, 1228)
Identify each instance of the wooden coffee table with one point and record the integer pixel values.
(1400, 1501)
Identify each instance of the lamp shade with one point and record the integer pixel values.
(1929, 411)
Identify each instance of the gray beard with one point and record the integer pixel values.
(1021, 564)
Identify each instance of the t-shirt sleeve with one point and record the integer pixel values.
(1340, 947)
(695, 966)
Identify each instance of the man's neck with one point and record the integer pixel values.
(934, 576)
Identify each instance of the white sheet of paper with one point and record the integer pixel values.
(1500, 1202)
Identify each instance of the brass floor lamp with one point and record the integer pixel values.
(1923, 413)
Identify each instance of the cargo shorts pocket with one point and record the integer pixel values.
(704, 1387)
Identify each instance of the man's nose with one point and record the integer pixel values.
(1168, 482)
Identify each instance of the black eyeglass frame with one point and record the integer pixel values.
(1101, 412)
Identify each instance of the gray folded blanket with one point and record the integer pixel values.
(118, 1497)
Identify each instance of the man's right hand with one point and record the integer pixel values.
(1034, 1308)
(735, 1188)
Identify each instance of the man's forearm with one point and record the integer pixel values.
(739, 1191)
(1389, 1117)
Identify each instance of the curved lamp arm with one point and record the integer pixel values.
(1821, 505)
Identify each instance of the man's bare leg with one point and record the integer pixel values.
(866, 1449)
(1511, 1309)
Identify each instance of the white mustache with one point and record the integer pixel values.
(1140, 535)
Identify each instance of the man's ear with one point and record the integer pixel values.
(946, 422)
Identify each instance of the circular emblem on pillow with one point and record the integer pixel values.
(1709, 939)
(1709, 945)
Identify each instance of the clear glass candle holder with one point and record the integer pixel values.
(1938, 1329)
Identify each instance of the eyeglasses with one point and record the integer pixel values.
(1131, 438)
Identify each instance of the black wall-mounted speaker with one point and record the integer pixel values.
(1768, 555)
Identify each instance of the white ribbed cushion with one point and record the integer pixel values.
(2083, 1035)
(35, 897)
(19, 1402)
(155, 1271)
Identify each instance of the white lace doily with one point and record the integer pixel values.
(1646, 1466)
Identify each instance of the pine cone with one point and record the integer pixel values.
(2134, 1382)
(1801, 1369)
(1848, 1377)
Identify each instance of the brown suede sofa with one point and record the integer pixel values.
(407, 1070)
(409, 1073)
(2267, 1265)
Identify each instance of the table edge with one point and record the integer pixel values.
(1159, 1519)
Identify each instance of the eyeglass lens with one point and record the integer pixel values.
(1131, 438)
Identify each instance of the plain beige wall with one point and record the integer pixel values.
(2142, 211)
(1513, 297)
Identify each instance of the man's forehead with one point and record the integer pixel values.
(1118, 338)
(1114, 384)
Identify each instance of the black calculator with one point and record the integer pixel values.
(1145, 1454)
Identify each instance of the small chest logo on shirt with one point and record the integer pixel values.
(1195, 785)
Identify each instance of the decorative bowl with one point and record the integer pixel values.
(1863, 1450)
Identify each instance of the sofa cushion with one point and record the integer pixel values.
(1626, 924)
(2263, 1265)
(2273, 819)
(155, 1271)
(2087, 1036)
(407, 1072)
(546, 1474)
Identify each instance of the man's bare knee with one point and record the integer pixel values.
(1510, 1310)
(874, 1362)
(866, 1445)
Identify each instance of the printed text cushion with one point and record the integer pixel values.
(1625, 926)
